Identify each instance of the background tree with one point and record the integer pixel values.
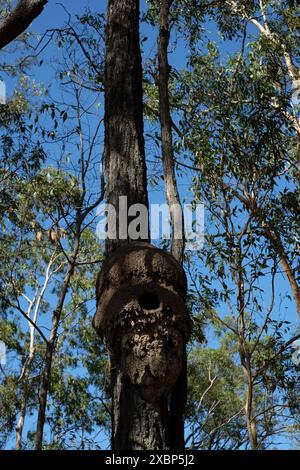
(48, 212)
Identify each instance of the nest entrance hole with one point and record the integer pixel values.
(149, 301)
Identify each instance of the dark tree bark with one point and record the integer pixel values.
(20, 19)
(141, 312)
(141, 315)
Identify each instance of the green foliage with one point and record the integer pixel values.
(232, 125)
(46, 208)
(215, 403)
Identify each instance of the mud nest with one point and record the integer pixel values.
(142, 316)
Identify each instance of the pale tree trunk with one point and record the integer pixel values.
(179, 392)
(293, 71)
(22, 416)
(33, 304)
(50, 348)
(138, 283)
(82, 212)
(249, 407)
(166, 134)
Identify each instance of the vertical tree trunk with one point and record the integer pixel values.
(137, 423)
(245, 356)
(124, 130)
(21, 420)
(251, 423)
(20, 425)
(141, 290)
(166, 134)
(179, 392)
(142, 316)
(46, 376)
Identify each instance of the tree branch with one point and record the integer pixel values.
(20, 19)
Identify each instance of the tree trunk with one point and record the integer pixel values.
(20, 425)
(166, 134)
(137, 423)
(46, 377)
(179, 392)
(276, 242)
(251, 423)
(21, 420)
(141, 313)
(245, 356)
(44, 390)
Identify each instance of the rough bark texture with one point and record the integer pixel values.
(141, 290)
(124, 137)
(245, 356)
(20, 19)
(146, 422)
(142, 316)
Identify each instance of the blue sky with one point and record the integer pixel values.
(54, 16)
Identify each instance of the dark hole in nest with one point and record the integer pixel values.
(149, 301)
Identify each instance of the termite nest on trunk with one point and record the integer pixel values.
(142, 316)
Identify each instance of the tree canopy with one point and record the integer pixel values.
(229, 77)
